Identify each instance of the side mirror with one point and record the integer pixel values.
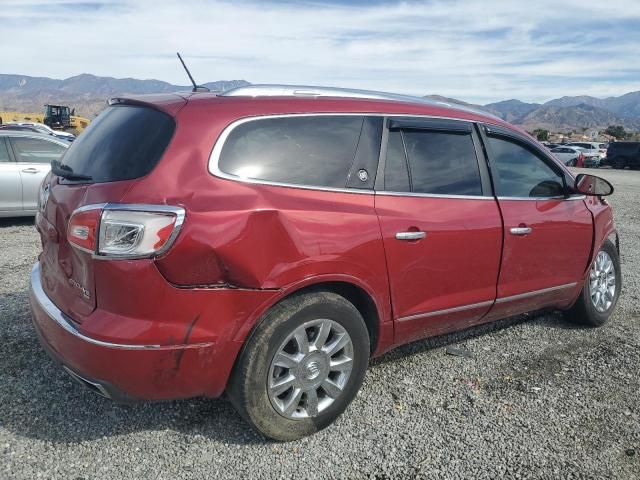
(593, 186)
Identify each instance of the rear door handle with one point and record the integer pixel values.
(410, 235)
(521, 231)
(30, 170)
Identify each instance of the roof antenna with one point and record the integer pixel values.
(196, 88)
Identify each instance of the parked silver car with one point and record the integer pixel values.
(25, 159)
(568, 154)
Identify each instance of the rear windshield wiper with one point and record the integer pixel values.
(65, 171)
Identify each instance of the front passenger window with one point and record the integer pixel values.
(518, 172)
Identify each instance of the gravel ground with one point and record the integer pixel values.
(538, 399)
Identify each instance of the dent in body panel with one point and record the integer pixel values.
(603, 224)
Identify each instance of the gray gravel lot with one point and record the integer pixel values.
(539, 399)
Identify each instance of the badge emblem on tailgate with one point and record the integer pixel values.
(79, 286)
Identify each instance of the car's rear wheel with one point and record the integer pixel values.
(601, 289)
(302, 366)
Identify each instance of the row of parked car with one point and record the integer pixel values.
(38, 128)
(595, 155)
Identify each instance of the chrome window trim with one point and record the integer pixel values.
(559, 197)
(434, 195)
(55, 314)
(487, 303)
(214, 157)
(535, 293)
(446, 311)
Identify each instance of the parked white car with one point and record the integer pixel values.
(592, 147)
(46, 130)
(25, 159)
(569, 155)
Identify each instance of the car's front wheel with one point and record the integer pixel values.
(302, 366)
(601, 289)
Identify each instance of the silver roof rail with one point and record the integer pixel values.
(313, 92)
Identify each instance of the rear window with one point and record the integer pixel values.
(309, 151)
(124, 142)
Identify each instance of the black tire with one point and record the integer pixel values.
(247, 388)
(583, 311)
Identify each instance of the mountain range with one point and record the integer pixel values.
(88, 94)
(566, 113)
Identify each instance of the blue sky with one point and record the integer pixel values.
(475, 50)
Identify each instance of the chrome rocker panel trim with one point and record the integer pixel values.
(487, 303)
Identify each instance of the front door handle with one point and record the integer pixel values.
(521, 231)
(30, 170)
(410, 235)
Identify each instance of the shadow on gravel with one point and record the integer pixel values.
(16, 222)
(38, 400)
(548, 319)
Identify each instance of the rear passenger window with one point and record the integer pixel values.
(299, 150)
(35, 150)
(440, 162)
(518, 172)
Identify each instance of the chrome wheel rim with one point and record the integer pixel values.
(310, 369)
(602, 282)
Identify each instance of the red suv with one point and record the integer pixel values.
(267, 242)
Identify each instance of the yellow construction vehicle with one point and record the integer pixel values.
(58, 117)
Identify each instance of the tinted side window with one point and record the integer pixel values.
(34, 150)
(4, 154)
(299, 150)
(396, 175)
(442, 163)
(518, 172)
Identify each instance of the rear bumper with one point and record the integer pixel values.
(127, 372)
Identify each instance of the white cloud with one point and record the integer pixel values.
(475, 50)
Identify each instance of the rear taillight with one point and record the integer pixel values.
(125, 231)
(82, 230)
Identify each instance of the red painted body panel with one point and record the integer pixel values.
(603, 224)
(158, 374)
(456, 264)
(60, 262)
(243, 247)
(555, 253)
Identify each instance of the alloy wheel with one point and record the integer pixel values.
(310, 369)
(602, 282)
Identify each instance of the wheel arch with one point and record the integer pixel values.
(359, 295)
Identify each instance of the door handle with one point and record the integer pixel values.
(521, 231)
(31, 170)
(410, 235)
